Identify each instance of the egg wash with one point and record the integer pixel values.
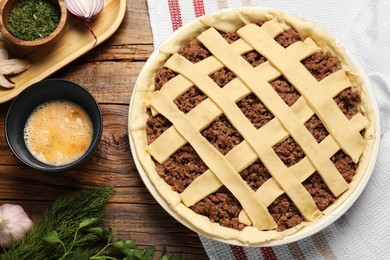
(58, 132)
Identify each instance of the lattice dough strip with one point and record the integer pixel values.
(202, 115)
(293, 70)
(171, 140)
(335, 83)
(179, 84)
(294, 189)
(257, 212)
(264, 91)
(270, 190)
(273, 129)
(196, 191)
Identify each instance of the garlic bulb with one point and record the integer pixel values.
(14, 223)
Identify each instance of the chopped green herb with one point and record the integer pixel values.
(33, 19)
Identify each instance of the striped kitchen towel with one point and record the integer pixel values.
(363, 27)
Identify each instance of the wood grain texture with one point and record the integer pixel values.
(135, 28)
(109, 72)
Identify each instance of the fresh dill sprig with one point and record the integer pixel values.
(64, 217)
(71, 231)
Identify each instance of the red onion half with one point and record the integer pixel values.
(86, 10)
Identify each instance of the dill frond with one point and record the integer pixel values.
(64, 217)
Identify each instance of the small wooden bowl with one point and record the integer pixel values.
(5, 8)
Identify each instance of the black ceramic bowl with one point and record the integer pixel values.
(36, 94)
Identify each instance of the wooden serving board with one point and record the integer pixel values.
(76, 41)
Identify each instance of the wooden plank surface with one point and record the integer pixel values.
(109, 71)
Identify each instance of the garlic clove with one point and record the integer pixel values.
(13, 66)
(14, 223)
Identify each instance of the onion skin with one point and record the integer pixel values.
(86, 10)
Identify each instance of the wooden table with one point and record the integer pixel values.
(109, 71)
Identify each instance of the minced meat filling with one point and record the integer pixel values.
(344, 165)
(181, 168)
(319, 191)
(284, 212)
(222, 77)
(285, 90)
(321, 64)
(255, 174)
(155, 126)
(288, 37)
(195, 51)
(221, 207)
(190, 99)
(254, 58)
(348, 102)
(185, 165)
(255, 111)
(162, 76)
(316, 128)
(222, 135)
(230, 37)
(289, 152)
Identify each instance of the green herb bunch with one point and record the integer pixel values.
(70, 230)
(121, 249)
